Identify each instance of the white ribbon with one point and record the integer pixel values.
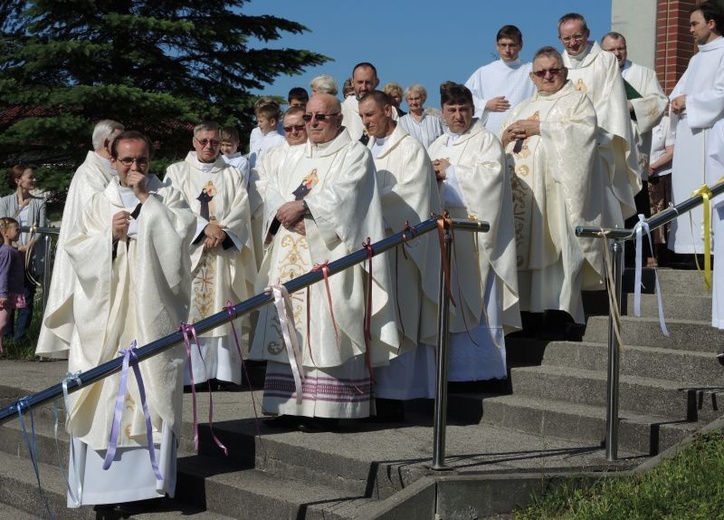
(74, 497)
(639, 229)
(283, 303)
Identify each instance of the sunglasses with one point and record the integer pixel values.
(542, 73)
(318, 116)
(213, 142)
(298, 128)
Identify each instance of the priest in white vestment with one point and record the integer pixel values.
(714, 175)
(697, 103)
(323, 205)
(409, 195)
(223, 266)
(130, 254)
(470, 167)
(646, 99)
(551, 156)
(364, 79)
(595, 72)
(295, 134)
(91, 177)
(501, 85)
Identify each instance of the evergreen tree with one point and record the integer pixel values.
(159, 66)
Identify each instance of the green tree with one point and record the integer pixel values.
(159, 66)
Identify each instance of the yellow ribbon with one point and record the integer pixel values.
(705, 193)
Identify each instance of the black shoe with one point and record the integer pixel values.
(317, 424)
(282, 422)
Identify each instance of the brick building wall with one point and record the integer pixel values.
(674, 44)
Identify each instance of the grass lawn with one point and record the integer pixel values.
(688, 486)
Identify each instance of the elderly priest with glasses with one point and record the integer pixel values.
(320, 206)
(223, 266)
(551, 154)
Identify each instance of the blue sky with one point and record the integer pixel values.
(419, 41)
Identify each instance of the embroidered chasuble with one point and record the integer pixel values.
(337, 181)
(557, 185)
(596, 74)
(137, 290)
(215, 193)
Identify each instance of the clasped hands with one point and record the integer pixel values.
(215, 236)
(291, 216)
(520, 130)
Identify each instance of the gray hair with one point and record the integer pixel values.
(207, 126)
(416, 89)
(324, 84)
(103, 131)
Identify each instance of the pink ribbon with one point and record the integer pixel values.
(130, 359)
(283, 304)
(368, 313)
(187, 329)
(230, 310)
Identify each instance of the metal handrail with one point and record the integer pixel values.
(255, 302)
(614, 348)
(46, 232)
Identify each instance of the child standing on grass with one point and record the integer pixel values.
(12, 273)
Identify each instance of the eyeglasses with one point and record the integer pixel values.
(574, 38)
(298, 128)
(318, 116)
(128, 161)
(213, 142)
(542, 73)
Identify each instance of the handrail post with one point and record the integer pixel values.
(46, 271)
(613, 354)
(440, 418)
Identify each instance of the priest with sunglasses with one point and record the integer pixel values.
(557, 182)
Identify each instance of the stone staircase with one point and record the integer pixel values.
(552, 422)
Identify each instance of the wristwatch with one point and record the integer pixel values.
(307, 213)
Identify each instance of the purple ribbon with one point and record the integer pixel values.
(130, 359)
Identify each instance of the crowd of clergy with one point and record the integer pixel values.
(534, 149)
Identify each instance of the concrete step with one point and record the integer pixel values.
(672, 281)
(646, 332)
(699, 368)
(676, 306)
(650, 396)
(644, 434)
(19, 488)
(252, 494)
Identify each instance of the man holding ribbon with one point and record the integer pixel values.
(130, 254)
(321, 344)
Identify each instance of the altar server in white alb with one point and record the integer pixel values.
(470, 167)
(90, 178)
(595, 72)
(130, 254)
(550, 141)
(714, 175)
(409, 195)
(223, 266)
(501, 85)
(323, 205)
(697, 102)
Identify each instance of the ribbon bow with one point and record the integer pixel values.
(130, 359)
